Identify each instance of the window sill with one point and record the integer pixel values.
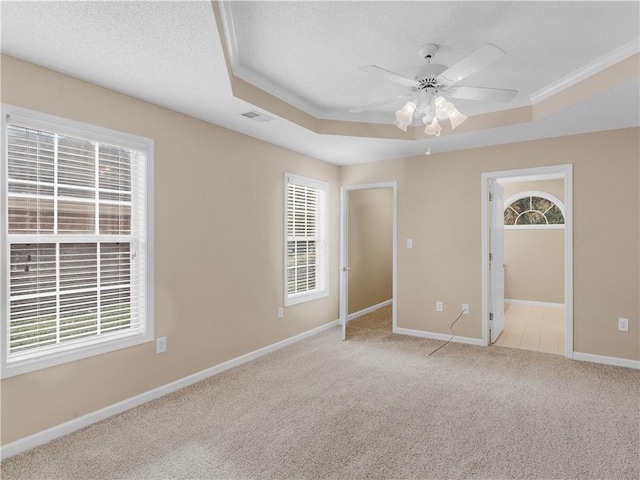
(31, 363)
(296, 300)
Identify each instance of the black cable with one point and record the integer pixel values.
(452, 334)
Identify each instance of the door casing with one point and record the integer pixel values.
(564, 172)
(496, 264)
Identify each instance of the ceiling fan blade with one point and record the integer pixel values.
(394, 77)
(481, 94)
(378, 104)
(479, 59)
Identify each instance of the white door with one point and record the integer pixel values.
(344, 274)
(344, 269)
(496, 259)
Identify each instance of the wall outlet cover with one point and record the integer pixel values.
(161, 345)
(623, 324)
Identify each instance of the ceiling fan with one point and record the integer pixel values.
(432, 82)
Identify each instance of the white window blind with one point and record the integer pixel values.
(76, 236)
(306, 258)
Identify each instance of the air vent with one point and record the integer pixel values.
(257, 117)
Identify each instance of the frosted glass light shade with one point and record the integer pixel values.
(433, 128)
(405, 114)
(400, 125)
(456, 118)
(443, 108)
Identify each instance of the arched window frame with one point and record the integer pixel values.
(535, 193)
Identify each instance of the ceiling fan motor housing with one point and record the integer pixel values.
(427, 75)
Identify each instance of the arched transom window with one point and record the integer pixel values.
(529, 209)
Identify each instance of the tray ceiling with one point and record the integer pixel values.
(297, 62)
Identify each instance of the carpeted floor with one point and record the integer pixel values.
(372, 407)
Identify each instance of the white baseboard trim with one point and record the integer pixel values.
(533, 303)
(618, 362)
(52, 433)
(439, 336)
(364, 311)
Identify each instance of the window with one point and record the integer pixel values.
(533, 210)
(77, 269)
(306, 250)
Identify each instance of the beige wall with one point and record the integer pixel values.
(209, 319)
(370, 247)
(439, 208)
(554, 187)
(533, 258)
(204, 223)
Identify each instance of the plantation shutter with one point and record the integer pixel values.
(76, 237)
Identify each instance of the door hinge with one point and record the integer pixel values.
(491, 317)
(491, 197)
(490, 257)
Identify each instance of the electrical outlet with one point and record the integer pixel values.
(439, 306)
(409, 243)
(465, 309)
(280, 312)
(623, 324)
(161, 345)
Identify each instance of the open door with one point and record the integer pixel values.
(496, 259)
(492, 247)
(344, 274)
(344, 269)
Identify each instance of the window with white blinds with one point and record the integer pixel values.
(306, 250)
(76, 236)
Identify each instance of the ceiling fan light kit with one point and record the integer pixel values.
(432, 82)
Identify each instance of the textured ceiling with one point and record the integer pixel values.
(307, 53)
(310, 51)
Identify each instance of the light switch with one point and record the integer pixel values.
(409, 243)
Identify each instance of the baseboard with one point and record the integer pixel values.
(439, 336)
(533, 303)
(52, 433)
(373, 308)
(618, 362)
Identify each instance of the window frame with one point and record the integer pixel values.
(540, 226)
(322, 261)
(92, 345)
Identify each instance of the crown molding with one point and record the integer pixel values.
(242, 72)
(592, 68)
(226, 17)
(249, 75)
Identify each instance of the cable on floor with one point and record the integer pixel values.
(452, 334)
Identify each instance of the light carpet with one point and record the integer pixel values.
(375, 407)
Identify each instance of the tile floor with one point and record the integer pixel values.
(527, 327)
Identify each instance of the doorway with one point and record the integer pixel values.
(364, 282)
(533, 265)
(493, 319)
